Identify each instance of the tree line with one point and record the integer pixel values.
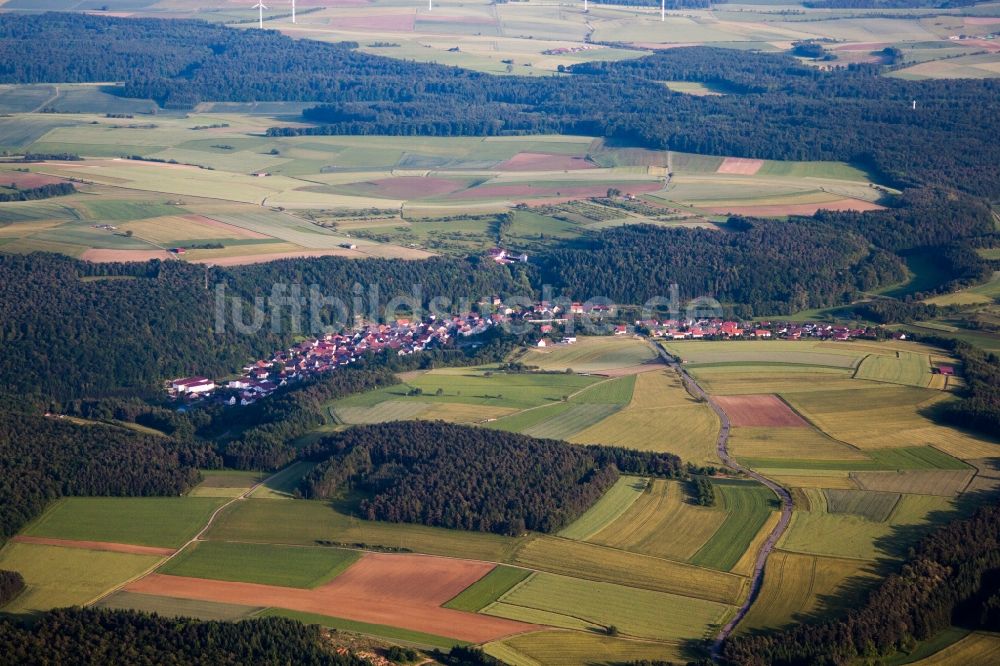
(460, 477)
(791, 112)
(951, 577)
(96, 637)
(35, 193)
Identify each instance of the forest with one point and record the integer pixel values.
(768, 267)
(164, 325)
(951, 578)
(446, 475)
(45, 458)
(460, 477)
(92, 637)
(945, 141)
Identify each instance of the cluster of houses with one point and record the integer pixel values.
(404, 336)
(690, 329)
(319, 355)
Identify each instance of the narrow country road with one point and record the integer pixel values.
(783, 495)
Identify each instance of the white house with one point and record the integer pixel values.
(193, 385)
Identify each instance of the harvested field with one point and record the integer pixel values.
(398, 590)
(904, 368)
(662, 523)
(59, 577)
(789, 444)
(873, 505)
(109, 256)
(27, 180)
(545, 162)
(411, 187)
(378, 23)
(593, 354)
(798, 586)
(781, 210)
(662, 416)
(748, 506)
(529, 191)
(976, 648)
(740, 166)
(767, 411)
(599, 563)
(943, 483)
(105, 546)
(572, 603)
(576, 647)
(616, 501)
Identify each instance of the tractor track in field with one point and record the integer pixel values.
(785, 497)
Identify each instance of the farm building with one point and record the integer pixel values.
(192, 385)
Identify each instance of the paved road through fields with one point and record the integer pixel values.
(783, 495)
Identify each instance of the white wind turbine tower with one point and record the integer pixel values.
(293, 11)
(430, 5)
(260, 10)
(663, 10)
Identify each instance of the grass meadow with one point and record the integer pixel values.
(145, 521)
(286, 566)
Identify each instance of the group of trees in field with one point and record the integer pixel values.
(11, 585)
(951, 578)
(45, 458)
(446, 475)
(35, 193)
(94, 637)
(947, 140)
(435, 473)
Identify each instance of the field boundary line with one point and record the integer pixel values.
(197, 537)
(813, 425)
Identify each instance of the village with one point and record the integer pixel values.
(542, 324)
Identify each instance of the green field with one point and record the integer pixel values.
(591, 354)
(875, 506)
(146, 521)
(171, 607)
(910, 369)
(305, 523)
(913, 457)
(488, 589)
(58, 577)
(616, 501)
(578, 604)
(286, 566)
(748, 505)
(610, 565)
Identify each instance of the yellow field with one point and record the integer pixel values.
(592, 354)
(944, 483)
(744, 380)
(594, 562)
(976, 648)
(459, 413)
(662, 523)
(789, 443)
(662, 416)
(58, 576)
(175, 227)
(887, 416)
(791, 478)
(564, 648)
(745, 565)
(797, 586)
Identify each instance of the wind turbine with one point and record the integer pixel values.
(585, 9)
(260, 7)
(430, 5)
(293, 11)
(663, 10)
